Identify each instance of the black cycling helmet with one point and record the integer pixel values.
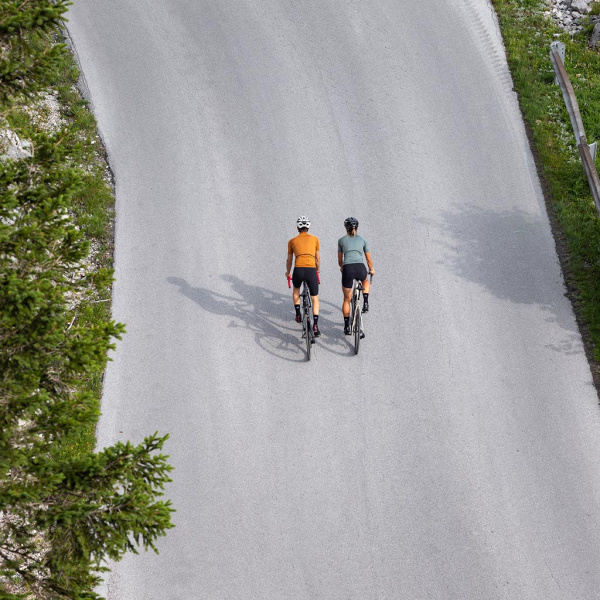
(351, 223)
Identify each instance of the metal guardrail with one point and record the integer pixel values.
(586, 152)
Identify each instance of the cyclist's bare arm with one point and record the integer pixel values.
(288, 265)
(318, 261)
(341, 259)
(369, 262)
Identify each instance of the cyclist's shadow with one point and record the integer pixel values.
(266, 313)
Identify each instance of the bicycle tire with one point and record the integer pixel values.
(307, 306)
(307, 337)
(353, 306)
(357, 330)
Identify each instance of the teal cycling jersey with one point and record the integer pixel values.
(353, 249)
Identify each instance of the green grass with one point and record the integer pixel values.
(527, 37)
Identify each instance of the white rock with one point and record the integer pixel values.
(580, 6)
(12, 146)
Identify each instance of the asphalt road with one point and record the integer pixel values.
(456, 457)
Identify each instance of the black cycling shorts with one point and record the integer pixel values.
(308, 274)
(351, 272)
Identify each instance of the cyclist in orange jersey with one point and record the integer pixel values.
(305, 249)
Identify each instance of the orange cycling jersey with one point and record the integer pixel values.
(305, 248)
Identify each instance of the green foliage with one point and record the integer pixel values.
(27, 62)
(64, 509)
(89, 508)
(67, 512)
(527, 34)
(45, 346)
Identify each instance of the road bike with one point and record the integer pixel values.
(306, 312)
(356, 320)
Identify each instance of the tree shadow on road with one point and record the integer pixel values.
(504, 252)
(268, 314)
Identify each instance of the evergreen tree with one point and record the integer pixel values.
(61, 514)
(27, 62)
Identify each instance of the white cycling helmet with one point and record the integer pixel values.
(302, 222)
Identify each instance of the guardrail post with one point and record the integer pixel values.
(560, 48)
(587, 152)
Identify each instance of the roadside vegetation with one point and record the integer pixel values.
(527, 34)
(64, 508)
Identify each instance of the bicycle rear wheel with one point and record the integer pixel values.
(307, 324)
(308, 335)
(353, 306)
(357, 329)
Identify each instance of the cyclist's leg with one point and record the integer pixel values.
(366, 285)
(346, 309)
(347, 284)
(315, 312)
(315, 304)
(366, 295)
(313, 285)
(346, 304)
(312, 282)
(297, 282)
(296, 297)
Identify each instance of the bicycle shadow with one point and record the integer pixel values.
(268, 314)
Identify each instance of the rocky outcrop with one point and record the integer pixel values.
(595, 39)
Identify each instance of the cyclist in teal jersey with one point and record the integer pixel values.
(352, 252)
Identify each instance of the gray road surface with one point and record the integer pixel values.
(457, 457)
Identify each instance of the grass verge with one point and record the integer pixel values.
(527, 34)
